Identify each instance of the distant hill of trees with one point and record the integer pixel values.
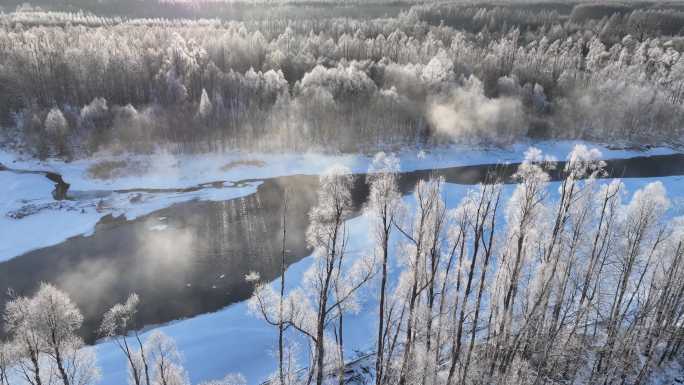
(430, 74)
(234, 10)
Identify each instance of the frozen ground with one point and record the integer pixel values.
(57, 221)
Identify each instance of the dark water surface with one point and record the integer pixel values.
(191, 258)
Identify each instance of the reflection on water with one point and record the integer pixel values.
(191, 258)
(184, 260)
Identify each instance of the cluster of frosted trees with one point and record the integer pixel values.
(425, 75)
(562, 283)
(44, 348)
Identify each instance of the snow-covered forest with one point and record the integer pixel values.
(73, 83)
(295, 192)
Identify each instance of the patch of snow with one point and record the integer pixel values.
(57, 221)
(158, 227)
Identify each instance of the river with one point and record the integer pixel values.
(191, 258)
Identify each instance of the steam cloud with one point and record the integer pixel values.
(469, 115)
(158, 261)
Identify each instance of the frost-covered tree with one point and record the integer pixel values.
(330, 287)
(277, 310)
(327, 235)
(421, 253)
(55, 123)
(95, 120)
(43, 330)
(261, 302)
(117, 322)
(642, 235)
(20, 318)
(383, 207)
(57, 128)
(96, 110)
(7, 361)
(58, 320)
(475, 225)
(81, 365)
(165, 360)
(205, 108)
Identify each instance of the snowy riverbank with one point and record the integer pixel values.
(232, 340)
(59, 221)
